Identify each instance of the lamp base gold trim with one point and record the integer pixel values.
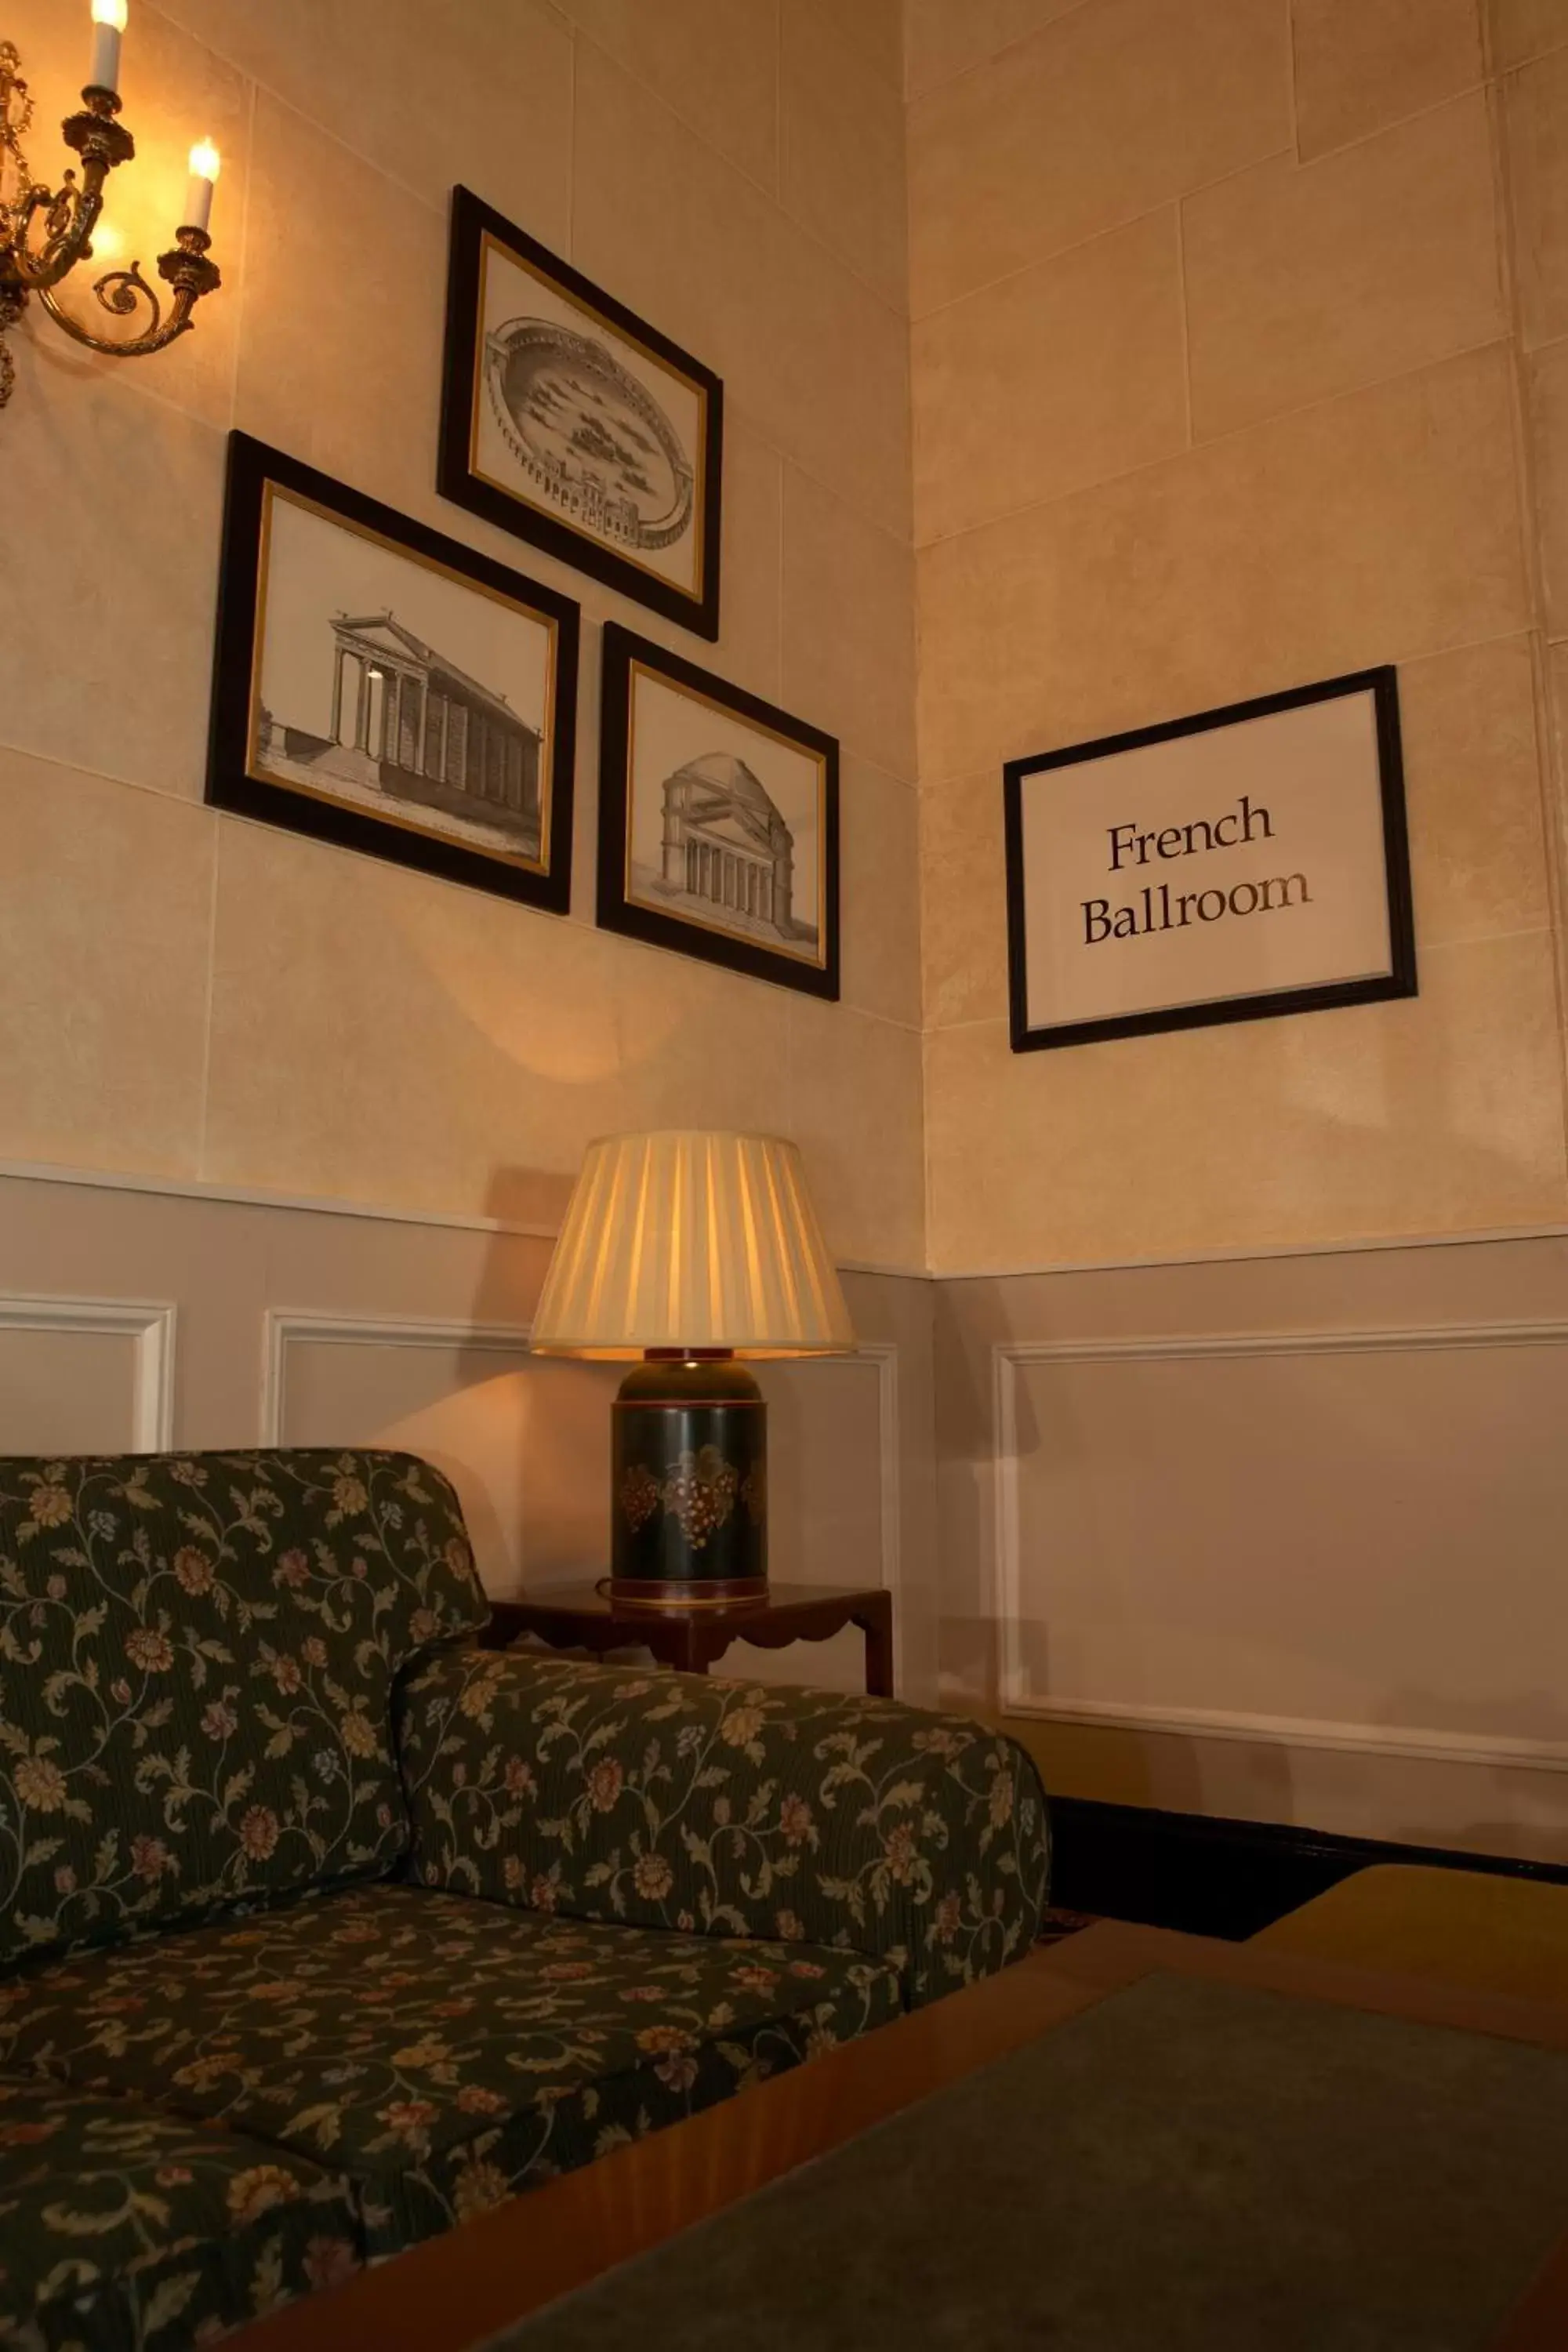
(680, 1597)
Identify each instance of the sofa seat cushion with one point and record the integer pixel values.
(196, 1660)
(443, 2051)
(121, 2227)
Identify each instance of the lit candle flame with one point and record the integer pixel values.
(199, 186)
(108, 24)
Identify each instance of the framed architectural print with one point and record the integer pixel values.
(1247, 861)
(383, 687)
(571, 421)
(717, 821)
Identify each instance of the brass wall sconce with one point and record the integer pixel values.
(45, 232)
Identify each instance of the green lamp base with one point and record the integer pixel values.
(689, 1483)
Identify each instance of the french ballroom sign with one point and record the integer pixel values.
(1247, 861)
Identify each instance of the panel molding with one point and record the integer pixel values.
(1416, 1742)
(257, 1196)
(329, 1204)
(149, 1324)
(283, 1326)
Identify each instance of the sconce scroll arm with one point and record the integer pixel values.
(187, 269)
(45, 232)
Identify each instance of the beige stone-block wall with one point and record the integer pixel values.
(194, 996)
(1240, 336)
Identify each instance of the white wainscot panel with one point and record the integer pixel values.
(1331, 1539)
(85, 1375)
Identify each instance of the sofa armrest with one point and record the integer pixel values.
(676, 1801)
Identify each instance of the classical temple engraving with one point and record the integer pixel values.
(407, 724)
(725, 847)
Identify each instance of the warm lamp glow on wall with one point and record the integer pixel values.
(45, 232)
(691, 1250)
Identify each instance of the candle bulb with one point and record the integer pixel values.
(199, 187)
(108, 24)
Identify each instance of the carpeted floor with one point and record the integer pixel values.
(1186, 2168)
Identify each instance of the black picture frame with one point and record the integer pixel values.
(624, 655)
(475, 226)
(408, 832)
(1400, 980)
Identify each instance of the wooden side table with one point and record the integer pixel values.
(582, 1616)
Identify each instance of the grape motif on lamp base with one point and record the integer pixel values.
(688, 1480)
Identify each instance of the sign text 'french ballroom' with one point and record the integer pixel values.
(1165, 905)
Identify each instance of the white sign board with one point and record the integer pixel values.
(1245, 862)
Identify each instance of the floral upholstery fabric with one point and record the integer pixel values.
(255, 2028)
(681, 1801)
(444, 2053)
(121, 2228)
(197, 1658)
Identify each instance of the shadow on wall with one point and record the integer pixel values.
(1159, 1843)
(525, 1441)
(1178, 1777)
(968, 1660)
(1533, 1802)
(1548, 1840)
(530, 1197)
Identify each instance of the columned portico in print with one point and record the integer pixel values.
(426, 729)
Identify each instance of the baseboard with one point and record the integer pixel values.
(1212, 1877)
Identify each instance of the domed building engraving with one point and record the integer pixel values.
(718, 820)
(726, 847)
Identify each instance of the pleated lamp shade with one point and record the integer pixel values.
(688, 1238)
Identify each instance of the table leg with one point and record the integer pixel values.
(875, 1622)
(709, 1643)
(675, 1641)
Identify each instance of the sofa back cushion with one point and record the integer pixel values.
(196, 1660)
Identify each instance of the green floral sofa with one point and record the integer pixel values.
(325, 1924)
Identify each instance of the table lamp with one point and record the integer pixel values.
(689, 1249)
